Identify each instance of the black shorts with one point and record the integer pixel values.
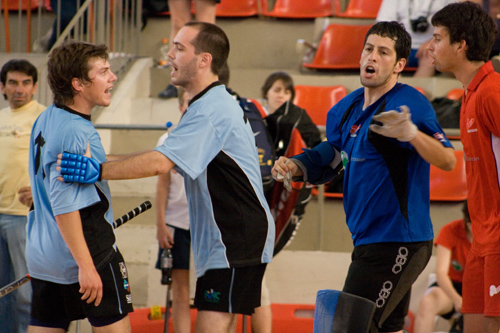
(181, 251)
(384, 273)
(458, 287)
(231, 290)
(56, 305)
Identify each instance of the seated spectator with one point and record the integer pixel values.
(415, 15)
(283, 116)
(444, 297)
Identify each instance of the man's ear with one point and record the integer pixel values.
(462, 47)
(206, 60)
(77, 84)
(400, 65)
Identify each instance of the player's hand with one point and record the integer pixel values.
(457, 304)
(25, 196)
(283, 171)
(78, 168)
(90, 285)
(395, 124)
(164, 236)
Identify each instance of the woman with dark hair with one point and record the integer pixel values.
(283, 116)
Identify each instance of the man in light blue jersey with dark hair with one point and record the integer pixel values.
(75, 267)
(213, 146)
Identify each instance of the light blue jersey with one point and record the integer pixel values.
(214, 147)
(57, 130)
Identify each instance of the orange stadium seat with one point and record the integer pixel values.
(358, 9)
(340, 47)
(14, 4)
(421, 90)
(286, 318)
(298, 9)
(455, 93)
(317, 100)
(236, 8)
(449, 185)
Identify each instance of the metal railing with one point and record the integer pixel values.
(116, 23)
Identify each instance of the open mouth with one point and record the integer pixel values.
(108, 91)
(370, 70)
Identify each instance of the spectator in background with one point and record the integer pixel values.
(416, 16)
(172, 231)
(444, 297)
(283, 116)
(180, 14)
(19, 85)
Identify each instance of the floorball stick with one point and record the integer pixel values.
(116, 223)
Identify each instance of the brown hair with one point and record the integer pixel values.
(68, 61)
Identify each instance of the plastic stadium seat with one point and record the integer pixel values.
(449, 185)
(340, 47)
(455, 93)
(14, 4)
(236, 8)
(358, 9)
(421, 90)
(317, 100)
(298, 9)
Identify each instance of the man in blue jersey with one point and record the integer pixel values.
(385, 154)
(76, 269)
(232, 229)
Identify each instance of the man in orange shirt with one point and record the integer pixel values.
(463, 37)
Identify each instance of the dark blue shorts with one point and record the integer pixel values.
(181, 250)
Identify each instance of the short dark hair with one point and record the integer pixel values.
(395, 31)
(468, 21)
(284, 77)
(224, 75)
(18, 65)
(68, 61)
(213, 40)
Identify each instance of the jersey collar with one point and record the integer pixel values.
(70, 110)
(483, 71)
(204, 91)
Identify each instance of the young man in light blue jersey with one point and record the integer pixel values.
(232, 230)
(385, 154)
(75, 267)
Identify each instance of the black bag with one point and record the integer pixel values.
(267, 154)
(447, 111)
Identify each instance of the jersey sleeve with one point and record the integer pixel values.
(69, 197)
(422, 115)
(193, 144)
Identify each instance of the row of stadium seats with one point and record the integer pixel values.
(297, 9)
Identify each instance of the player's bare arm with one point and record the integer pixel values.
(70, 226)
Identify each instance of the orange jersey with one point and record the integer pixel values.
(454, 237)
(480, 134)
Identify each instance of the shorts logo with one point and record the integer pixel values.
(212, 296)
(457, 265)
(494, 290)
(123, 270)
(129, 298)
(383, 294)
(126, 286)
(400, 260)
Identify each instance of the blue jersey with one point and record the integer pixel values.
(48, 258)
(214, 148)
(386, 182)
